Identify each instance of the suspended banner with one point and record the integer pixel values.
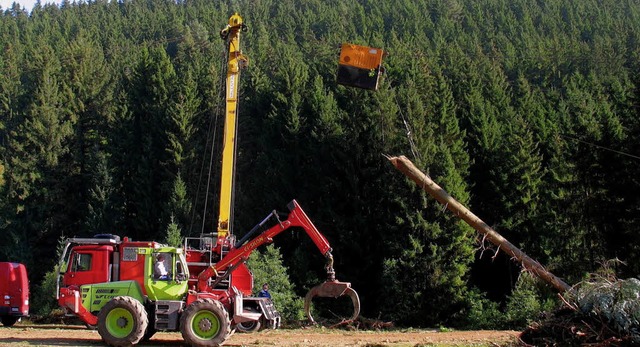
(360, 66)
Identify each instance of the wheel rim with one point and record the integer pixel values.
(205, 324)
(119, 322)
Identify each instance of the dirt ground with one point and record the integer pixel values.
(60, 335)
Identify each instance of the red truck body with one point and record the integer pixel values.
(14, 292)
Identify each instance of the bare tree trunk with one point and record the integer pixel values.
(406, 166)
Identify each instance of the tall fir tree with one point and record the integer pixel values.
(142, 175)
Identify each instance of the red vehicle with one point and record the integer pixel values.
(111, 284)
(14, 288)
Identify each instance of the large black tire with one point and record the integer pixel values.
(9, 321)
(122, 321)
(250, 326)
(205, 323)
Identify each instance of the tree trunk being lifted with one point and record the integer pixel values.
(406, 166)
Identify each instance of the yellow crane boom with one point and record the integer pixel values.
(236, 62)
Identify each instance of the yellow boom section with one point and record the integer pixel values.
(236, 61)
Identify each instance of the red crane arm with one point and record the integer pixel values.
(296, 218)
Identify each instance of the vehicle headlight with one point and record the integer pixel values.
(7, 297)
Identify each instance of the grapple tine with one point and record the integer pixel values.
(332, 289)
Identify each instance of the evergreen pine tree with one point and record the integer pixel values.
(146, 183)
(174, 235)
(267, 267)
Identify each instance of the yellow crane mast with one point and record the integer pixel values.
(236, 62)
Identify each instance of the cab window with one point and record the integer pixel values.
(81, 262)
(162, 266)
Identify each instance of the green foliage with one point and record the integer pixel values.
(1, 175)
(43, 296)
(267, 267)
(529, 299)
(102, 213)
(524, 111)
(483, 313)
(179, 204)
(174, 235)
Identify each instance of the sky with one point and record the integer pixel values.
(27, 4)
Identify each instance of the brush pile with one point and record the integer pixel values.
(601, 313)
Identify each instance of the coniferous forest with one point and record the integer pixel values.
(527, 112)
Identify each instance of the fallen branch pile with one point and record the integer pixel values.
(566, 327)
(604, 313)
(360, 323)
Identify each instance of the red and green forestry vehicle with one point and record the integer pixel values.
(110, 284)
(14, 288)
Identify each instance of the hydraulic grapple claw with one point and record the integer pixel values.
(332, 289)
